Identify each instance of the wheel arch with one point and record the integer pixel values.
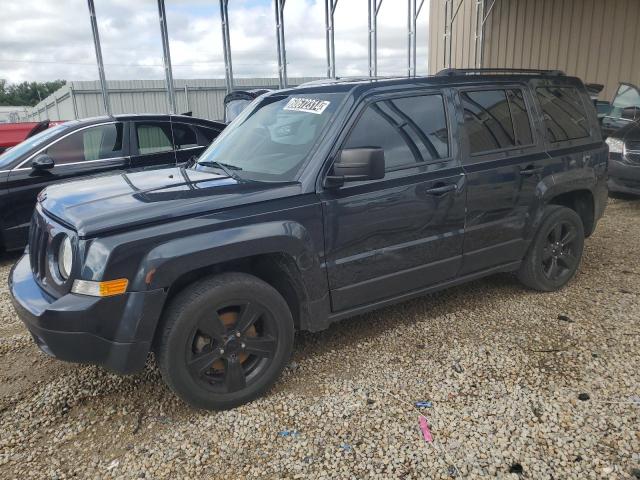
(582, 202)
(277, 269)
(282, 254)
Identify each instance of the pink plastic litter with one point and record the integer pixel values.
(424, 426)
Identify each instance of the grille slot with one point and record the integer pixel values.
(38, 239)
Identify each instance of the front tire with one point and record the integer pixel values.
(555, 252)
(224, 341)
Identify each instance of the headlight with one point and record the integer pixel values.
(615, 145)
(65, 258)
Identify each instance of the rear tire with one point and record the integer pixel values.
(555, 252)
(224, 341)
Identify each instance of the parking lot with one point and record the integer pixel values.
(503, 367)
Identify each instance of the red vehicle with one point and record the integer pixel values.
(11, 134)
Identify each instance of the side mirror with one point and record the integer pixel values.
(357, 164)
(42, 162)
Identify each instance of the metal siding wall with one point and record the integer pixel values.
(596, 40)
(463, 30)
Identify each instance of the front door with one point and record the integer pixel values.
(88, 151)
(402, 233)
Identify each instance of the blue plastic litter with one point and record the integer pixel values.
(346, 447)
(289, 433)
(425, 404)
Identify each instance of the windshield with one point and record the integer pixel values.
(271, 140)
(10, 156)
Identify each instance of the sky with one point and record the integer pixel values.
(45, 40)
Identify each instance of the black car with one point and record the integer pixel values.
(624, 160)
(320, 203)
(88, 147)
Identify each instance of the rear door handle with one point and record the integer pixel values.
(442, 189)
(531, 171)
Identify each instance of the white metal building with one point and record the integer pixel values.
(203, 97)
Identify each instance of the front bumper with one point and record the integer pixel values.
(624, 177)
(115, 332)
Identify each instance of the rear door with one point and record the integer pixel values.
(152, 144)
(404, 232)
(503, 160)
(87, 151)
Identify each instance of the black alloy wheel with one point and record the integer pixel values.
(231, 346)
(555, 252)
(558, 257)
(224, 340)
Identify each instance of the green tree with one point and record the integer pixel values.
(26, 93)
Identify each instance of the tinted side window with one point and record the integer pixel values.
(95, 143)
(153, 137)
(425, 122)
(376, 129)
(184, 136)
(520, 117)
(207, 135)
(487, 120)
(564, 114)
(410, 130)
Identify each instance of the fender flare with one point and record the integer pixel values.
(168, 261)
(558, 184)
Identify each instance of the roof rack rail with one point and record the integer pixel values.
(452, 72)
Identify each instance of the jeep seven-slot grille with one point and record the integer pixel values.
(633, 151)
(38, 239)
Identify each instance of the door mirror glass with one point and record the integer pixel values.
(42, 162)
(357, 164)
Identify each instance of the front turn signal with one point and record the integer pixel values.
(100, 289)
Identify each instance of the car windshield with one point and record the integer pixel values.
(270, 140)
(10, 156)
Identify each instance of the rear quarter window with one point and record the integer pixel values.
(565, 117)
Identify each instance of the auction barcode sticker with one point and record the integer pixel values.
(309, 105)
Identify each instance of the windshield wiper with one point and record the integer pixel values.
(226, 168)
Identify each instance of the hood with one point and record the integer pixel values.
(103, 203)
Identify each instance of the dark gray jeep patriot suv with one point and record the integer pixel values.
(317, 203)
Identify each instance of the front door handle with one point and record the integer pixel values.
(442, 189)
(530, 170)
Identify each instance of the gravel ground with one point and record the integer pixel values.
(502, 366)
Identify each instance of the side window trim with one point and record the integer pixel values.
(20, 166)
(528, 104)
